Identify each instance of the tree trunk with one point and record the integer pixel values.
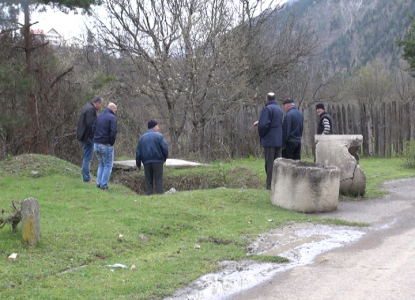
(30, 139)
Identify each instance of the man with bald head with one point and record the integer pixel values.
(105, 128)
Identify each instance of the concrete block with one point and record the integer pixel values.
(304, 187)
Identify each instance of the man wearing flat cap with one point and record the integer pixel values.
(292, 131)
(152, 150)
(325, 124)
(270, 133)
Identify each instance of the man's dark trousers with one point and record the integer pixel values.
(292, 151)
(271, 153)
(154, 170)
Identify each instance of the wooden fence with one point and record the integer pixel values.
(385, 128)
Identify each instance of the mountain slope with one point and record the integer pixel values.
(354, 32)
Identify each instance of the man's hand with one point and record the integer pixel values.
(138, 169)
(256, 123)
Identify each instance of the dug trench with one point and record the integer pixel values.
(194, 179)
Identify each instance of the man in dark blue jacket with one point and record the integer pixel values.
(292, 131)
(270, 133)
(105, 128)
(152, 150)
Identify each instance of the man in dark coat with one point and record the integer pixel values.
(152, 150)
(85, 134)
(325, 124)
(105, 133)
(270, 133)
(292, 131)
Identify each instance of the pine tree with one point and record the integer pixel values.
(25, 6)
(408, 44)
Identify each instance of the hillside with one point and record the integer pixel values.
(354, 32)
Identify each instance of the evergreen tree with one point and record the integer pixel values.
(26, 6)
(408, 44)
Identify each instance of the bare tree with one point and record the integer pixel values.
(404, 86)
(371, 84)
(196, 57)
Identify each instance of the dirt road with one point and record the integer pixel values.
(380, 265)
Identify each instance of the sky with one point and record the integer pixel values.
(68, 25)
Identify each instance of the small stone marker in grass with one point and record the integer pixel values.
(30, 221)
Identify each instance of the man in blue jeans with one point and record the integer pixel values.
(153, 151)
(105, 128)
(85, 134)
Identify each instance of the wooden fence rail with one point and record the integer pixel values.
(385, 128)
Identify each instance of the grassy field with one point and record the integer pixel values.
(171, 239)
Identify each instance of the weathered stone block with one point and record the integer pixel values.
(342, 151)
(304, 186)
(30, 221)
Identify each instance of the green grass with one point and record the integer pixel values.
(379, 170)
(80, 228)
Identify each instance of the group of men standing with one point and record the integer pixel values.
(98, 134)
(281, 136)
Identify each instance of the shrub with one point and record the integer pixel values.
(408, 153)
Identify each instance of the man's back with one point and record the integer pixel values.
(152, 147)
(270, 125)
(105, 128)
(293, 125)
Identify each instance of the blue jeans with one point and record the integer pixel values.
(105, 155)
(86, 162)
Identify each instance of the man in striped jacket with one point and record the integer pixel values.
(325, 125)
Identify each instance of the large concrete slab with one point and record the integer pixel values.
(170, 163)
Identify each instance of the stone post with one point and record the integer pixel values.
(30, 221)
(342, 151)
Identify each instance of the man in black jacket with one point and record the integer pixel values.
(85, 134)
(325, 124)
(105, 133)
(292, 131)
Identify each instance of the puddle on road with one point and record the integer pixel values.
(300, 243)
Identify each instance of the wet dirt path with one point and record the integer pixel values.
(375, 262)
(380, 265)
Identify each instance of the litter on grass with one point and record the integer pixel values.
(13, 256)
(117, 266)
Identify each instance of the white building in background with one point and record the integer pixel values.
(54, 38)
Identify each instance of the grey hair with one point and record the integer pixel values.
(97, 99)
